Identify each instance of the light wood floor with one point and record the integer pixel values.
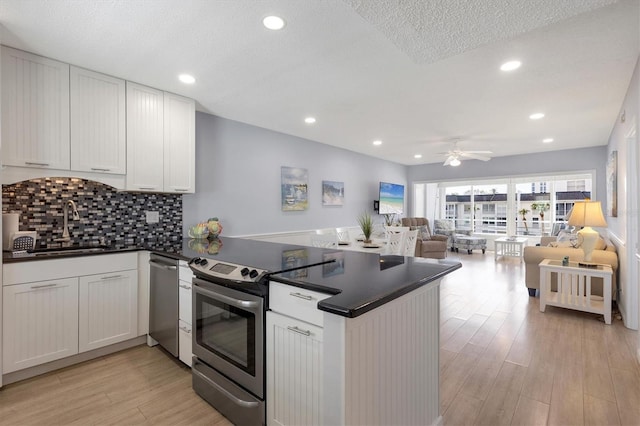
(502, 362)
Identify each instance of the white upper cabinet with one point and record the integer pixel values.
(145, 116)
(35, 111)
(179, 144)
(160, 141)
(98, 129)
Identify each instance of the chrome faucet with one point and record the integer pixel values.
(65, 212)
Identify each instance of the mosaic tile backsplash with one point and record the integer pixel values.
(119, 217)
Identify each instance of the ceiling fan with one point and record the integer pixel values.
(455, 155)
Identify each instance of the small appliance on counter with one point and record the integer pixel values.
(12, 238)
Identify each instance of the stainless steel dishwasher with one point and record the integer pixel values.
(163, 304)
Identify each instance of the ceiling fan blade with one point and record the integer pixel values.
(467, 154)
(448, 160)
(478, 152)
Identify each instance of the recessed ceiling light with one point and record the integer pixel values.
(377, 143)
(273, 22)
(455, 162)
(417, 156)
(510, 66)
(547, 140)
(186, 78)
(310, 120)
(536, 116)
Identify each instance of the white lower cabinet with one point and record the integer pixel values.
(185, 345)
(108, 309)
(294, 371)
(40, 323)
(55, 308)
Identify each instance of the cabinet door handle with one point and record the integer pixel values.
(181, 189)
(96, 169)
(44, 285)
(31, 163)
(111, 277)
(185, 329)
(300, 331)
(186, 287)
(147, 187)
(301, 296)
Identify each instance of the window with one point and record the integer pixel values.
(512, 206)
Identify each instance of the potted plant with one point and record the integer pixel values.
(366, 225)
(524, 212)
(541, 208)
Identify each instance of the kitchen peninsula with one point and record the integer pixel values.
(351, 338)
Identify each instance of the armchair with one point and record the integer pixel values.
(427, 244)
(445, 227)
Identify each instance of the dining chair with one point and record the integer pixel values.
(395, 229)
(343, 235)
(410, 240)
(328, 240)
(395, 243)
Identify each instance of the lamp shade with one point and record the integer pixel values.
(587, 213)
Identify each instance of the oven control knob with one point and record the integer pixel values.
(244, 272)
(203, 262)
(253, 273)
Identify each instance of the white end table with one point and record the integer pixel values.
(574, 287)
(511, 247)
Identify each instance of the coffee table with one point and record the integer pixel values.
(510, 247)
(573, 289)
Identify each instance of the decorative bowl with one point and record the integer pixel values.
(198, 231)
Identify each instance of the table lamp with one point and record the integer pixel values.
(587, 214)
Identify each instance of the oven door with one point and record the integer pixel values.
(228, 333)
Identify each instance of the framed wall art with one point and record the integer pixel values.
(332, 193)
(294, 187)
(612, 185)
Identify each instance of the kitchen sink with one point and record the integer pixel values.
(67, 250)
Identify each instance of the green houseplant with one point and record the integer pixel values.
(524, 212)
(366, 225)
(540, 208)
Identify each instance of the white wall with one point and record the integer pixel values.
(238, 179)
(624, 228)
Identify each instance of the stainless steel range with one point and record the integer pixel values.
(229, 338)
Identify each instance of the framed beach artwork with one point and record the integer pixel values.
(294, 187)
(332, 193)
(612, 185)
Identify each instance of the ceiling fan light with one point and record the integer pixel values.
(455, 162)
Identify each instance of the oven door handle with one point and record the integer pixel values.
(239, 303)
(235, 399)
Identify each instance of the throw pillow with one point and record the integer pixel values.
(424, 233)
(572, 239)
(600, 244)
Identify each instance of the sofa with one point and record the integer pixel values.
(605, 253)
(428, 244)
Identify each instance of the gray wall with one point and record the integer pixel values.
(238, 179)
(546, 162)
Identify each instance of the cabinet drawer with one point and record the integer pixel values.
(185, 273)
(296, 302)
(184, 295)
(184, 342)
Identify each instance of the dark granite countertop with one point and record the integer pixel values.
(361, 282)
(358, 282)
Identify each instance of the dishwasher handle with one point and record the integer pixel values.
(162, 265)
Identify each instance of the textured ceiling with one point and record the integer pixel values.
(413, 73)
